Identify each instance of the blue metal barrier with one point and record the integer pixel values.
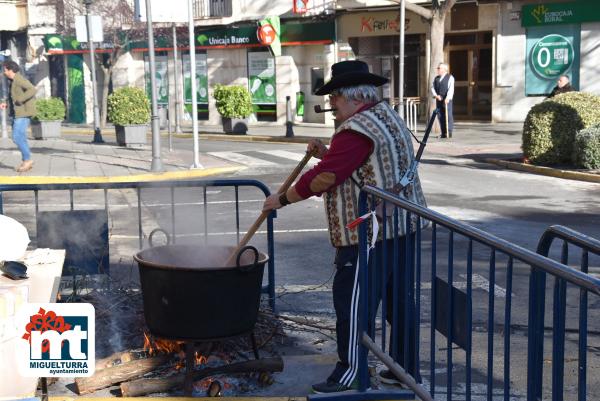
(537, 315)
(170, 187)
(448, 240)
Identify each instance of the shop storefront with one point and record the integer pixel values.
(227, 56)
(535, 44)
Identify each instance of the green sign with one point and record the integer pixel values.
(551, 52)
(560, 13)
(269, 33)
(75, 89)
(249, 35)
(552, 55)
(201, 79)
(162, 80)
(261, 77)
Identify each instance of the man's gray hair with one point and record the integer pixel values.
(360, 93)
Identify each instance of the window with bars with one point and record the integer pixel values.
(212, 8)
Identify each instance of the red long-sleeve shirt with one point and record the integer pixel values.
(347, 152)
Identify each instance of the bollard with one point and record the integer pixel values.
(289, 130)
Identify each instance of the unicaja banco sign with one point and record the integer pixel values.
(552, 56)
(58, 340)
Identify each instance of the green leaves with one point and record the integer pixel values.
(550, 127)
(233, 101)
(586, 149)
(52, 109)
(128, 106)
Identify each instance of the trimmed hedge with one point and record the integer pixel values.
(128, 106)
(233, 101)
(586, 149)
(550, 127)
(51, 109)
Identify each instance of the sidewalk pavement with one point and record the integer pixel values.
(74, 158)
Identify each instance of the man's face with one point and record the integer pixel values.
(8, 73)
(441, 70)
(344, 108)
(562, 81)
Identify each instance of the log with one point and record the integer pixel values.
(116, 358)
(119, 373)
(142, 387)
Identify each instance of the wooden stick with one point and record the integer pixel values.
(446, 114)
(157, 385)
(119, 373)
(286, 185)
(116, 358)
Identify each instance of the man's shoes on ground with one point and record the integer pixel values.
(331, 386)
(388, 377)
(25, 166)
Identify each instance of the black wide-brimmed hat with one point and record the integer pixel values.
(350, 73)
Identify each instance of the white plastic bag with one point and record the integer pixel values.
(13, 239)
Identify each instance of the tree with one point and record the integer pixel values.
(436, 17)
(120, 30)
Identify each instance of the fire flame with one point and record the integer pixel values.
(156, 346)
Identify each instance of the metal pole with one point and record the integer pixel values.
(289, 124)
(194, 85)
(401, 61)
(156, 161)
(88, 23)
(176, 69)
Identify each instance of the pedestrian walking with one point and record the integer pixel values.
(22, 108)
(443, 92)
(373, 146)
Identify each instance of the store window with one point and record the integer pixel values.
(262, 84)
(201, 86)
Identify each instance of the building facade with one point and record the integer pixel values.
(504, 55)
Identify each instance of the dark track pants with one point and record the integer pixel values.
(442, 117)
(345, 301)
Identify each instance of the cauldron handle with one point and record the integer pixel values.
(156, 230)
(239, 255)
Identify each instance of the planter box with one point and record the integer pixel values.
(235, 125)
(46, 129)
(131, 135)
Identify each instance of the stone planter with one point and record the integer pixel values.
(131, 135)
(46, 129)
(235, 125)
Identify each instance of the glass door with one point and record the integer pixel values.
(472, 71)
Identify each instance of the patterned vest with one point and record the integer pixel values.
(391, 157)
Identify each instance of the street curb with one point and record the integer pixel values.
(149, 177)
(548, 171)
(221, 137)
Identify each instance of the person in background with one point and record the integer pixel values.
(371, 146)
(22, 108)
(443, 92)
(562, 86)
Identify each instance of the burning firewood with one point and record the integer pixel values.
(119, 358)
(119, 373)
(156, 385)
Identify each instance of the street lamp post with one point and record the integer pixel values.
(156, 161)
(88, 24)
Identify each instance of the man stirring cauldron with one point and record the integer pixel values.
(371, 146)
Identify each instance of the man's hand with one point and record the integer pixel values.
(316, 146)
(272, 202)
(438, 97)
(446, 101)
(2, 106)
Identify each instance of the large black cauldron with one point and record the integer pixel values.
(188, 296)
